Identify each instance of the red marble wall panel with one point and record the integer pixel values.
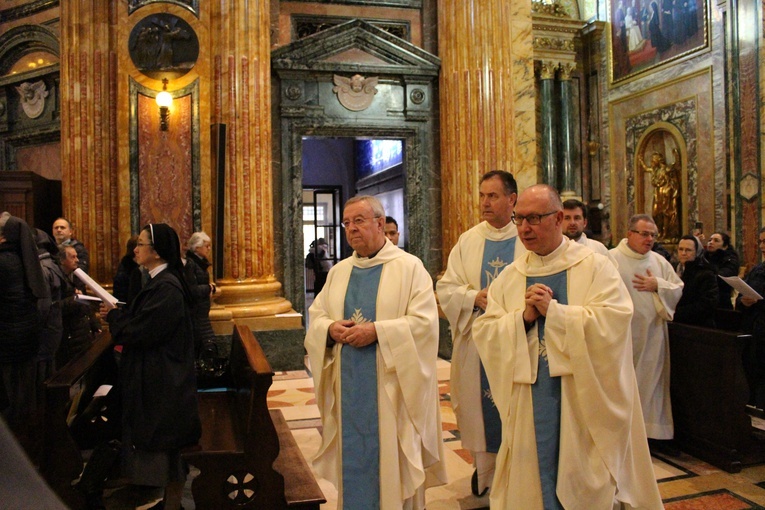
(165, 166)
(44, 160)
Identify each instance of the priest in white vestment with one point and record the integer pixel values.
(476, 260)
(655, 289)
(555, 342)
(373, 344)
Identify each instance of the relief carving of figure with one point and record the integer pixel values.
(355, 93)
(32, 96)
(665, 180)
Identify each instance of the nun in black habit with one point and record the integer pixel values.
(157, 376)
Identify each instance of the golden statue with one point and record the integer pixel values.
(665, 180)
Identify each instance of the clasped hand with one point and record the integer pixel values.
(538, 298)
(356, 335)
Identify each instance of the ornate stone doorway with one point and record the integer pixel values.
(355, 80)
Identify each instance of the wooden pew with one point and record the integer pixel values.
(709, 394)
(247, 455)
(73, 385)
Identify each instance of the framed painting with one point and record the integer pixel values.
(648, 34)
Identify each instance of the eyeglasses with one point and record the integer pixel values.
(144, 244)
(531, 219)
(359, 221)
(646, 234)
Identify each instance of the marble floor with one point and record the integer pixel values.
(685, 483)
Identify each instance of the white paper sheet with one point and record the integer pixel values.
(741, 286)
(109, 300)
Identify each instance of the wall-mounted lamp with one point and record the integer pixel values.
(164, 100)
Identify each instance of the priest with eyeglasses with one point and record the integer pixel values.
(555, 344)
(655, 289)
(373, 344)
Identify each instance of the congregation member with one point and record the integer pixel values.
(199, 247)
(157, 377)
(725, 262)
(372, 344)
(476, 260)
(574, 223)
(64, 235)
(391, 230)
(555, 342)
(52, 329)
(655, 289)
(79, 320)
(699, 299)
(753, 311)
(24, 306)
(127, 279)
(319, 262)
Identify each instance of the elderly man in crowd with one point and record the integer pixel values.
(474, 262)
(655, 289)
(64, 235)
(372, 344)
(555, 342)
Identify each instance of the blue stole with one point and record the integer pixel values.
(545, 395)
(358, 398)
(496, 255)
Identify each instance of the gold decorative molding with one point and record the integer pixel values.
(549, 9)
(555, 37)
(566, 69)
(547, 69)
(554, 43)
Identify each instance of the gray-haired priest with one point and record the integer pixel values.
(555, 343)
(373, 342)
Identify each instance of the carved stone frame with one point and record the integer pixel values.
(306, 106)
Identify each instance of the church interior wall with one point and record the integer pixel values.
(715, 90)
(660, 94)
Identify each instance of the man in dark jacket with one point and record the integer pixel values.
(50, 334)
(78, 317)
(64, 235)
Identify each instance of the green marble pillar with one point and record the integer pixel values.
(549, 143)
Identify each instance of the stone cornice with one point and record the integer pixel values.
(26, 10)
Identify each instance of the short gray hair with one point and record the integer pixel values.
(197, 239)
(639, 217)
(373, 202)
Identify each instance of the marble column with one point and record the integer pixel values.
(549, 142)
(569, 152)
(241, 99)
(486, 96)
(89, 155)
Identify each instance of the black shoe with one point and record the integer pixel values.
(474, 485)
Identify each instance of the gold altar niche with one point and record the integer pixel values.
(661, 181)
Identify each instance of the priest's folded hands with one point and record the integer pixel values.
(355, 335)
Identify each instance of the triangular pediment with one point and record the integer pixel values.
(355, 46)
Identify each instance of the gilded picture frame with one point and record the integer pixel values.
(646, 35)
